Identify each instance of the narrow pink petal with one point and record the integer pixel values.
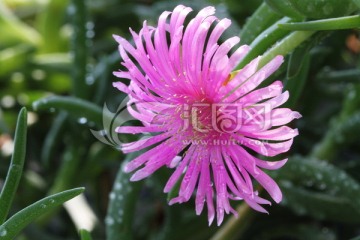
(251, 82)
(155, 162)
(179, 18)
(144, 143)
(233, 90)
(210, 205)
(179, 170)
(264, 148)
(121, 86)
(219, 29)
(277, 101)
(143, 158)
(270, 91)
(271, 165)
(281, 116)
(203, 186)
(253, 204)
(269, 185)
(136, 129)
(238, 55)
(277, 134)
(261, 200)
(238, 179)
(190, 179)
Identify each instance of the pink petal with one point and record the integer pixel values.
(271, 165)
(179, 170)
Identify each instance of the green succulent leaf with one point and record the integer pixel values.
(16, 166)
(285, 8)
(21, 219)
(74, 106)
(123, 198)
(85, 235)
(264, 41)
(357, 3)
(262, 18)
(316, 188)
(318, 9)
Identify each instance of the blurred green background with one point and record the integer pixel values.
(64, 48)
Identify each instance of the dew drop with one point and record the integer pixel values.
(90, 80)
(318, 176)
(3, 231)
(109, 221)
(82, 120)
(112, 196)
(118, 185)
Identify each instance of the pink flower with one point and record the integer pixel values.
(203, 119)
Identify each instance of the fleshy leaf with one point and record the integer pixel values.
(261, 19)
(314, 187)
(122, 202)
(21, 219)
(16, 166)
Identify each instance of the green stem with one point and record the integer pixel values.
(325, 24)
(285, 46)
(16, 166)
(235, 226)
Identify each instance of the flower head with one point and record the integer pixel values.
(204, 120)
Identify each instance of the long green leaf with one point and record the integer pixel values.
(14, 58)
(297, 73)
(16, 166)
(12, 28)
(285, 46)
(80, 45)
(357, 3)
(85, 235)
(262, 18)
(53, 137)
(49, 21)
(285, 8)
(341, 76)
(120, 216)
(264, 41)
(341, 132)
(319, 205)
(20, 220)
(74, 106)
(313, 187)
(325, 24)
